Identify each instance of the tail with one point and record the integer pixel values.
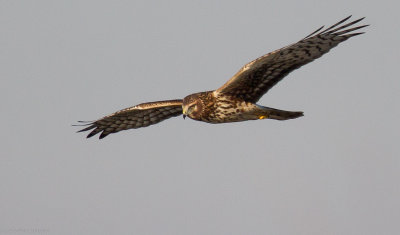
(279, 114)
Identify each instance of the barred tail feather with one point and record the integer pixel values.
(280, 114)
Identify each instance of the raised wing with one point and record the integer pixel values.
(138, 116)
(255, 78)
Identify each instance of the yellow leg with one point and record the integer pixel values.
(262, 117)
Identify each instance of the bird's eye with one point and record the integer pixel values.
(192, 108)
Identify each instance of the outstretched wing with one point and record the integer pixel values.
(141, 115)
(257, 77)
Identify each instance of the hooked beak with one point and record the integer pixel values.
(184, 111)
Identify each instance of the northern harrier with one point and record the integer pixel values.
(236, 100)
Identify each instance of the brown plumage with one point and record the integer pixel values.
(141, 115)
(236, 99)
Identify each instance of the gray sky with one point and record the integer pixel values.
(334, 171)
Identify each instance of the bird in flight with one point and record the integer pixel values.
(236, 100)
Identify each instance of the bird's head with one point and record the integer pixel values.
(192, 106)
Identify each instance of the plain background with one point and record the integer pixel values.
(334, 171)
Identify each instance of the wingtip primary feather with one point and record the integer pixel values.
(83, 123)
(102, 135)
(350, 30)
(333, 28)
(316, 31)
(334, 25)
(94, 132)
(87, 128)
